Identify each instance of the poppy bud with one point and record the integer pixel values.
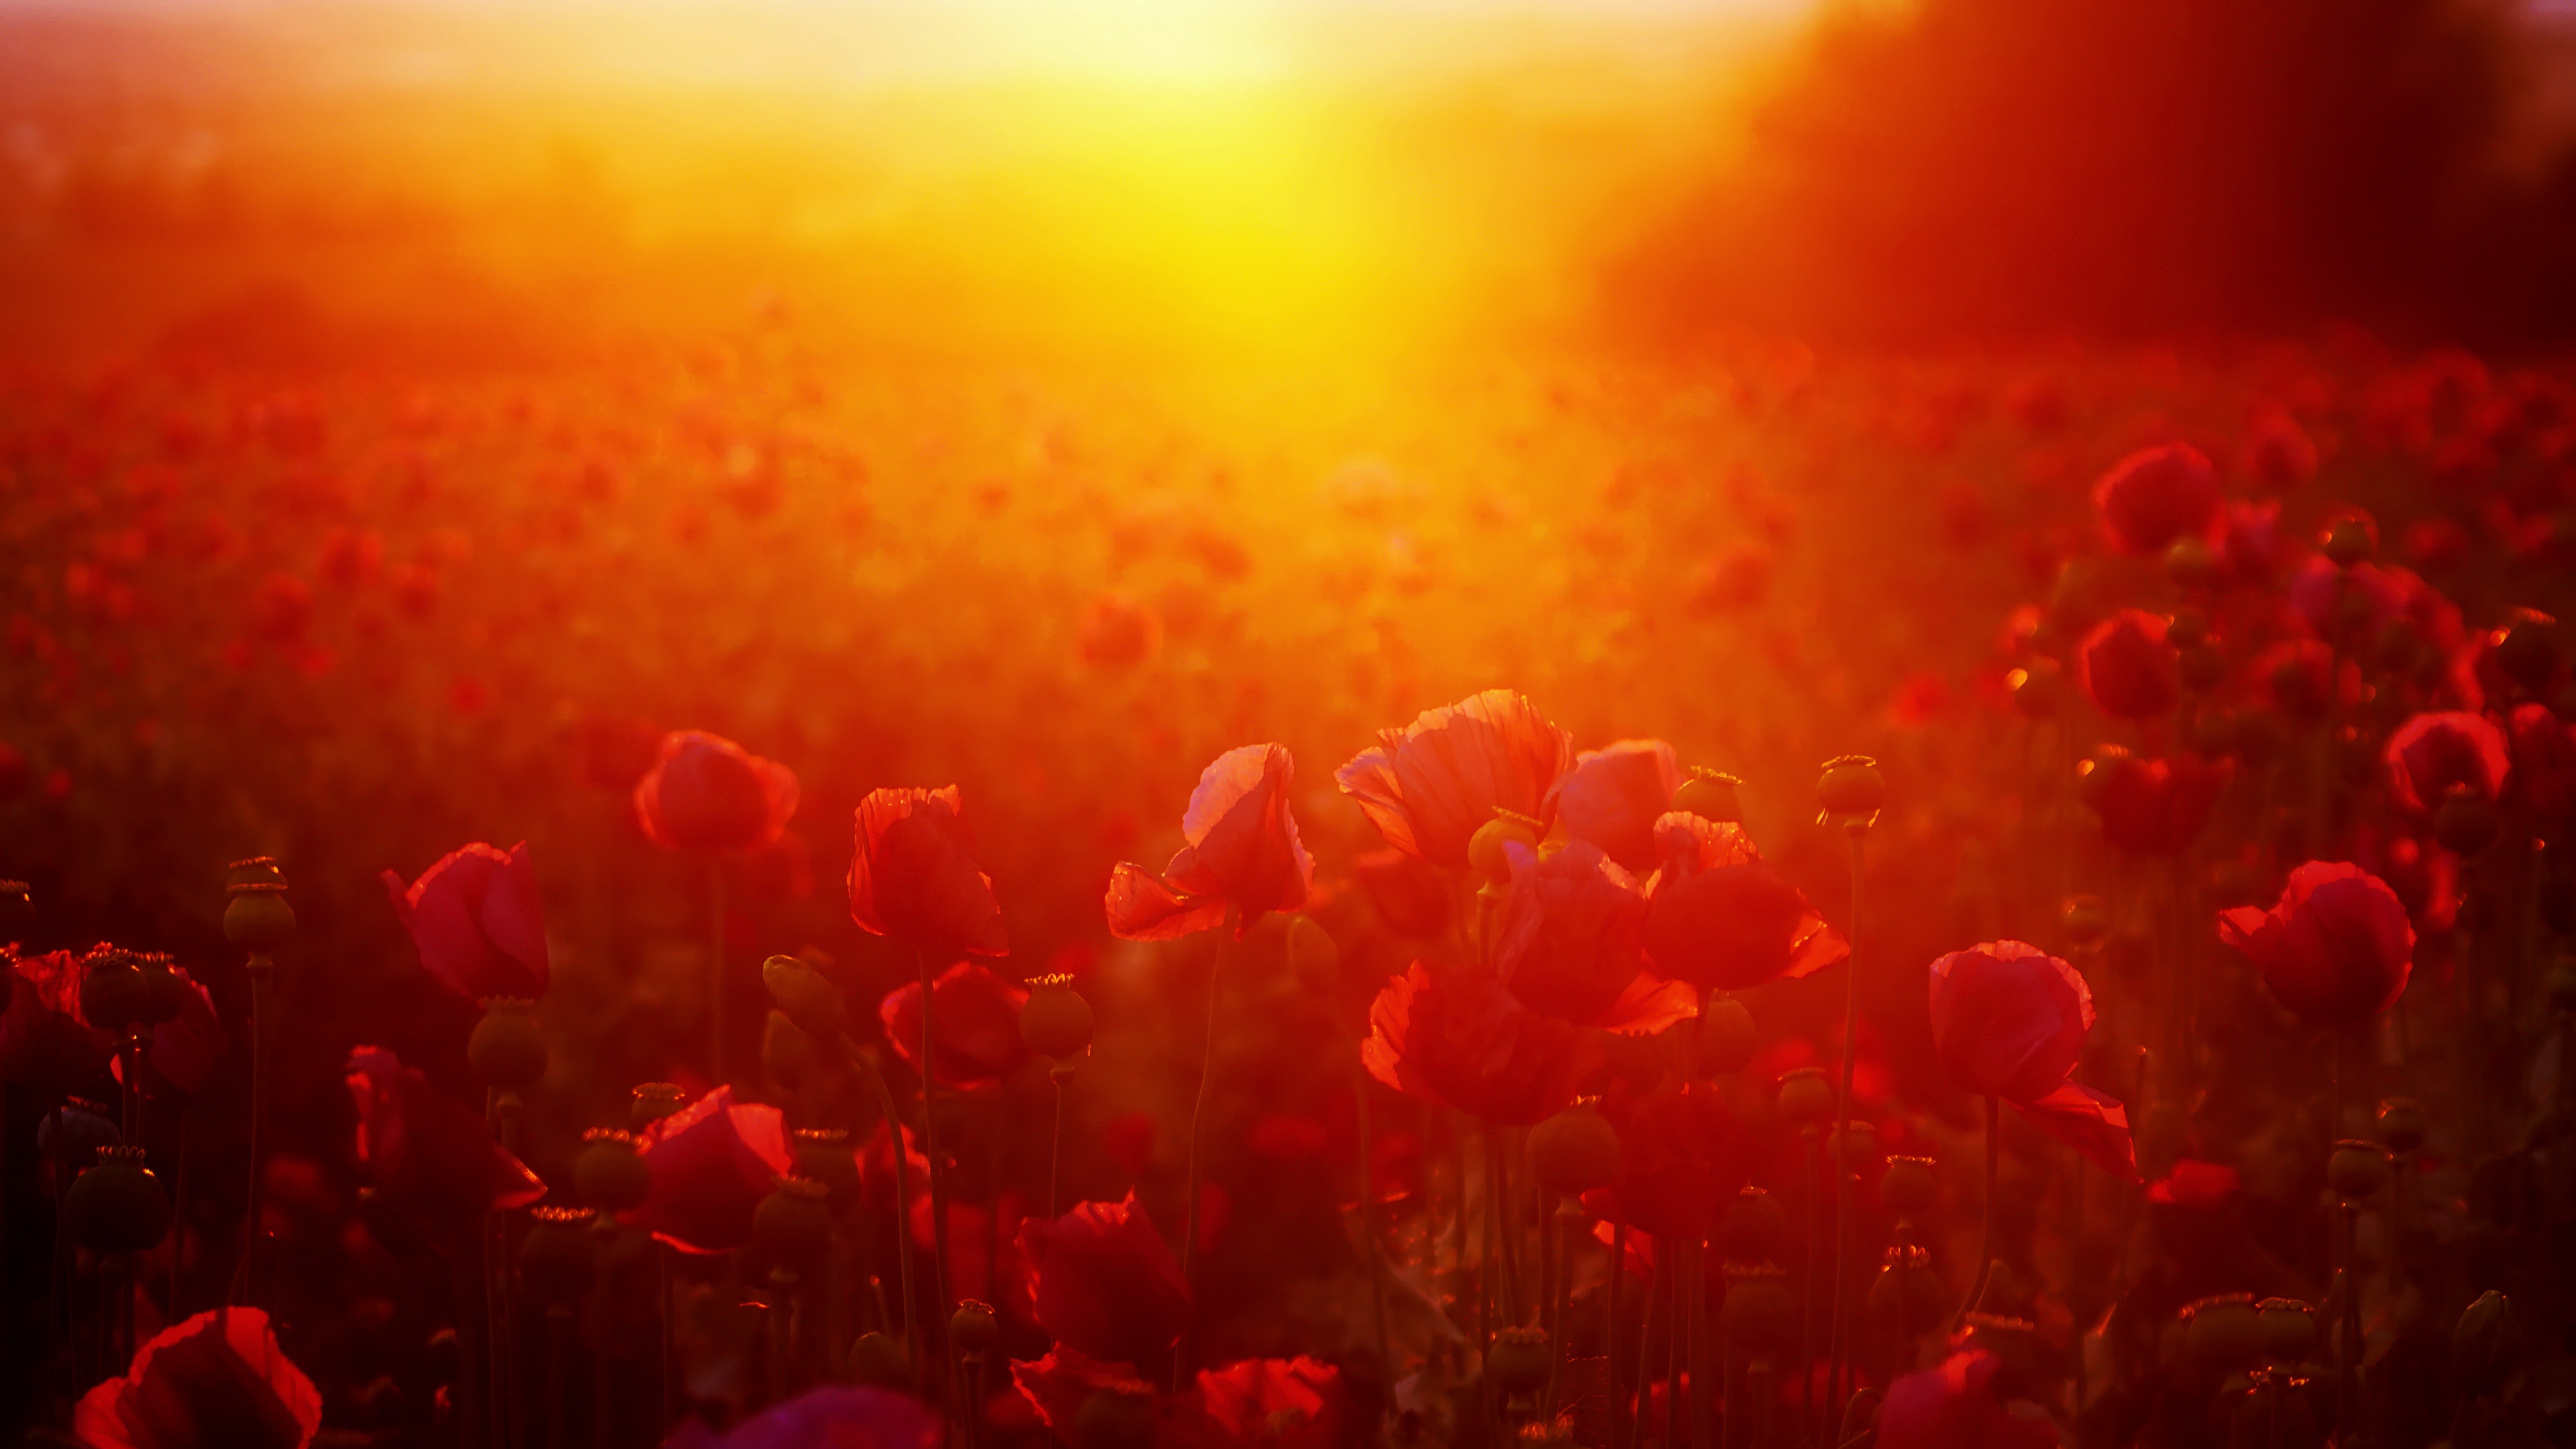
(113, 994)
(2038, 688)
(117, 1206)
(2213, 732)
(1574, 1152)
(807, 996)
(2480, 1338)
(1111, 1419)
(2403, 1124)
(878, 1361)
(655, 1101)
(1863, 1145)
(792, 1226)
(2527, 654)
(788, 1055)
(610, 1174)
(1759, 1316)
(1754, 1227)
(1806, 1098)
(1056, 1022)
(2467, 823)
(257, 917)
(2203, 667)
(2224, 1333)
(2560, 984)
(1907, 1299)
(1910, 1187)
(1710, 795)
(2087, 919)
(1519, 1361)
(1314, 958)
(973, 1329)
(1851, 790)
(2357, 1169)
(823, 1155)
(2289, 1329)
(2191, 562)
(2348, 541)
(1487, 852)
(17, 910)
(507, 1051)
(1726, 1035)
(556, 1258)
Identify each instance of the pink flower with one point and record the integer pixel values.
(915, 875)
(978, 1021)
(424, 1150)
(1612, 797)
(705, 792)
(1721, 919)
(1240, 851)
(711, 1164)
(216, 1379)
(1430, 786)
(476, 918)
(2337, 947)
(1569, 943)
(2433, 752)
(2157, 495)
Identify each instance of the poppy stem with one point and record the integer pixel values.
(1806, 1300)
(1703, 1383)
(1610, 1293)
(1198, 1115)
(715, 970)
(1986, 1230)
(902, 1199)
(1368, 1222)
(1655, 1285)
(178, 1214)
(245, 1276)
(930, 1144)
(558, 1354)
(1842, 1134)
(1055, 1151)
(603, 1238)
(670, 1335)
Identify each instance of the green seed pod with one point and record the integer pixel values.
(793, 1224)
(2224, 1333)
(557, 1257)
(1851, 790)
(973, 1328)
(1806, 1098)
(823, 1155)
(1759, 1316)
(1574, 1152)
(2357, 1169)
(1909, 1187)
(2289, 1329)
(117, 1206)
(807, 997)
(1754, 1227)
(1056, 1021)
(1519, 1362)
(878, 1360)
(257, 917)
(2403, 1124)
(507, 1051)
(1726, 1035)
(610, 1174)
(1710, 795)
(1907, 1298)
(114, 995)
(655, 1101)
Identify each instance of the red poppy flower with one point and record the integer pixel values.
(476, 918)
(705, 792)
(2009, 1020)
(186, 1049)
(2335, 600)
(1463, 1041)
(915, 875)
(978, 1021)
(1059, 1384)
(1239, 850)
(2544, 764)
(45, 1042)
(2128, 668)
(1430, 786)
(424, 1150)
(2297, 673)
(217, 1378)
(711, 1164)
(824, 1418)
(1409, 895)
(1722, 920)
(1954, 1407)
(2337, 946)
(2157, 495)
(2204, 1186)
(1568, 943)
(2153, 807)
(2433, 752)
(1107, 1287)
(1612, 797)
(1682, 1160)
(1267, 1403)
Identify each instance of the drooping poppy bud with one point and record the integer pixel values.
(915, 875)
(477, 921)
(1106, 1284)
(2430, 753)
(2336, 947)
(2127, 668)
(1721, 919)
(1463, 1041)
(1240, 851)
(216, 1378)
(977, 1015)
(2157, 495)
(1613, 796)
(1568, 943)
(705, 792)
(711, 1163)
(1429, 786)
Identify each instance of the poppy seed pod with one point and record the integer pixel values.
(17, 910)
(1754, 1227)
(1056, 1022)
(2403, 1124)
(2038, 688)
(1112, 1419)
(807, 997)
(610, 1174)
(2191, 562)
(2527, 653)
(2348, 541)
(1314, 958)
(257, 917)
(1488, 850)
(1907, 1298)
(878, 1361)
(2289, 1329)
(2224, 1333)
(1574, 1152)
(1851, 790)
(793, 1224)
(2087, 919)
(2357, 1169)
(1519, 1361)
(507, 1051)
(2467, 822)
(788, 1055)
(1910, 1187)
(117, 1206)
(973, 1328)
(2479, 1340)
(1759, 1316)
(1861, 1147)
(557, 1258)
(823, 1155)
(1726, 1035)
(1806, 1098)
(655, 1101)
(2187, 628)
(1710, 795)
(114, 995)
